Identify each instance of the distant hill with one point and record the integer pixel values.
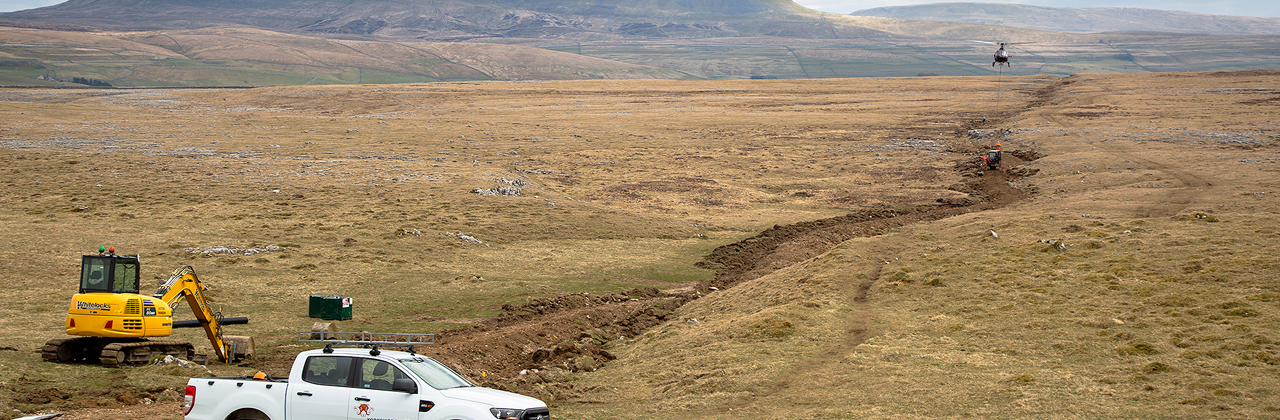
(255, 57)
(1105, 19)
(283, 42)
(435, 20)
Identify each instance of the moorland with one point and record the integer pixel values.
(771, 248)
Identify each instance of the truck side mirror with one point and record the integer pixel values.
(405, 385)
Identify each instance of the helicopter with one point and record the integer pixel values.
(1002, 55)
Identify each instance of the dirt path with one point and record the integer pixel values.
(855, 333)
(530, 346)
(1192, 188)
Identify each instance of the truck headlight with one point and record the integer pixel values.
(506, 413)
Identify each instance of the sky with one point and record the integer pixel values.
(1262, 8)
(12, 5)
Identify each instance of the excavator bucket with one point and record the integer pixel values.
(239, 347)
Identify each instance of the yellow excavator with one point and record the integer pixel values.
(112, 321)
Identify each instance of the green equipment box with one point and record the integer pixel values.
(329, 308)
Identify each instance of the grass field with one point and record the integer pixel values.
(1160, 302)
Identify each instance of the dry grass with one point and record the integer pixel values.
(623, 185)
(1151, 310)
(1162, 304)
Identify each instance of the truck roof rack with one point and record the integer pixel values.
(366, 339)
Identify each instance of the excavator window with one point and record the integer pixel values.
(126, 273)
(93, 274)
(109, 274)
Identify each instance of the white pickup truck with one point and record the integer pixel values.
(357, 384)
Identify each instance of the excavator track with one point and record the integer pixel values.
(113, 352)
(73, 349)
(141, 352)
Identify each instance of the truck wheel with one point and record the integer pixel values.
(248, 414)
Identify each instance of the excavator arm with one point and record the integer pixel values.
(184, 285)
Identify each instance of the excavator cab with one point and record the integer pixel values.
(109, 273)
(993, 159)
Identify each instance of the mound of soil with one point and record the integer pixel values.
(555, 333)
(30, 394)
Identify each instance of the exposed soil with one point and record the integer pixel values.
(122, 401)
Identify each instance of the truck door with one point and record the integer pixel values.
(324, 390)
(372, 397)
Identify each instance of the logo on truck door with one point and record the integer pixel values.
(363, 410)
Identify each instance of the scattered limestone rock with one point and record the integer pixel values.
(223, 250)
(464, 237)
(402, 232)
(499, 191)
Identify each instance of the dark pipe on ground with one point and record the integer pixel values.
(192, 323)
